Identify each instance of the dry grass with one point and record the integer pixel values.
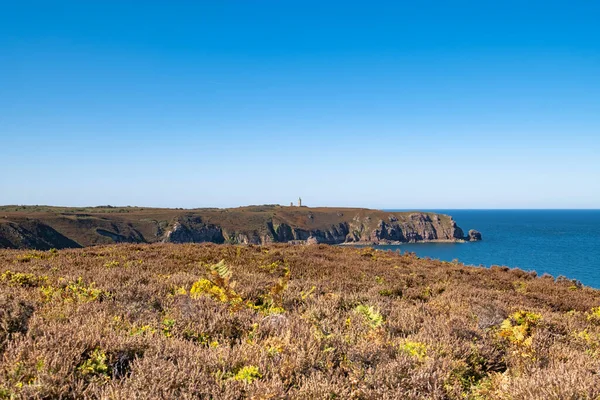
(308, 322)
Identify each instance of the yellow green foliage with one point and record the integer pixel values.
(142, 330)
(167, 327)
(306, 294)
(520, 286)
(248, 374)
(372, 316)
(368, 252)
(204, 287)
(111, 264)
(274, 300)
(470, 374)
(407, 339)
(270, 267)
(518, 330)
(22, 279)
(73, 291)
(414, 349)
(591, 342)
(95, 364)
(197, 337)
(5, 393)
(220, 287)
(31, 256)
(594, 315)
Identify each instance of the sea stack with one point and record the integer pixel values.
(474, 236)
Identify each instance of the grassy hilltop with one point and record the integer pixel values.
(282, 321)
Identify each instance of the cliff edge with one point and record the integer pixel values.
(48, 227)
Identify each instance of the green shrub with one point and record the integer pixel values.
(594, 315)
(373, 317)
(22, 279)
(111, 264)
(94, 365)
(73, 291)
(518, 330)
(248, 374)
(220, 287)
(414, 349)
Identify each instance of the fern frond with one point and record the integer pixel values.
(373, 317)
(221, 269)
(276, 291)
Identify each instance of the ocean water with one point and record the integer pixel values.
(557, 242)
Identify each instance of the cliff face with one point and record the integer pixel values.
(32, 235)
(193, 230)
(415, 227)
(367, 228)
(245, 225)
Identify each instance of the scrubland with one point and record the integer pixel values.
(280, 321)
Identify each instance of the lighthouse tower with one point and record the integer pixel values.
(299, 201)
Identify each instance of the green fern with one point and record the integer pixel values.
(373, 317)
(221, 270)
(219, 288)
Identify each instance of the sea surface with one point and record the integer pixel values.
(557, 242)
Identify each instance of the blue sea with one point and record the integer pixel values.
(557, 242)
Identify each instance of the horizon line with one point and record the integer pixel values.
(307, 206)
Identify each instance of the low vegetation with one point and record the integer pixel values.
(279, 321)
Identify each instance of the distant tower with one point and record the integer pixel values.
(299, 201)
(291, 204)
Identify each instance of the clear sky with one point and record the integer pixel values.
(388, 104)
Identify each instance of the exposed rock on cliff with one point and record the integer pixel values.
(191, 229)
(364, 227)
(244, 225)
(32, 235)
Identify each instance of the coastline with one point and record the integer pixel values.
(398, 243)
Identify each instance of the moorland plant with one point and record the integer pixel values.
(283, 321)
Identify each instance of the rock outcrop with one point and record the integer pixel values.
(244, 225)
(191, 229)
(32, 234)
(474, 235)
(410, 228)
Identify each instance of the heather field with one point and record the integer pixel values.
(288, 322)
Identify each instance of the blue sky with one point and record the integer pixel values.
(430, 104)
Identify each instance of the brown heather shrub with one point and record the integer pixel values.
(288, 322)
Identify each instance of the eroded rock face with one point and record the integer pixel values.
(474, 235)
(193, 230)
(250, 225)
(33, 235)
(312, 240)
(418, 227)
(457, 232)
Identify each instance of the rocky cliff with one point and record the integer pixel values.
(32, 234)
(245, 225)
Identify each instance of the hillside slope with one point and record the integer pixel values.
(47, 227)
(288, 322)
